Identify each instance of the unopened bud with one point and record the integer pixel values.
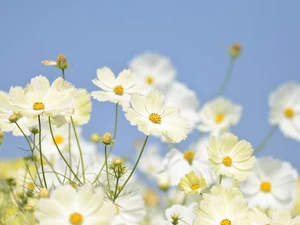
(34, 130)
(95, 137)
(1, 134)
(117, 162)
(31, 186)
(62, 62)
(44, 193)
(28, 207)
(14, 118)
(235, 50)
(163, 184)
(107, 138)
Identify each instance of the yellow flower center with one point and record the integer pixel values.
(119, 90)
(58, 139)
(76, 219)
(227, 161)
(30, 186)
(225, 222)
(195, 186)
(38, 106)
(189, 156)
(155, 118)
(149, 80)
(219, 118)
(289, 113)
(265, 186)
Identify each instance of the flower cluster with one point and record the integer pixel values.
(218, 179)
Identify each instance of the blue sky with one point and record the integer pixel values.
(195, 35)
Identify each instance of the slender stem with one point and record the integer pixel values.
(79, 148)
(107, 175)
(69, 145)
(220, 180)
(63, 74)
(61, 155)
(265, 140)
(31, 149)
(227, 77)
(137, 162)
(40, 148)
(116, 187)
(112, 145)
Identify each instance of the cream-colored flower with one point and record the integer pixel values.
(296, 208)
(283, 217)
(152, 117)
(41, 98)
(68, 206)
(230, 157)
(154, 70)
(180, 96)
(192, 184)
(117, 89)
(271, 185)
(6, 113)
(284, 105)
(228, 208)
(218, 115)
(176, 164)
(257, 217)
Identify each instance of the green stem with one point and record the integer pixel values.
(107, 174)
(137, 162)
(220, 180)
(227, 77)
(112, 145)
(63, 74)
(69, 145)
(40, 149)
(60, 153)
(265, 140)
(32, 153)
(79, 148)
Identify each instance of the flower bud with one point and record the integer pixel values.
(14, 117)
(95, 137)
(163, 183)
(107, 139)
(117, 162)
(31, 186)
(44, 193)
(1, 134)
(34, 130)
(62, 62)
(235, 50)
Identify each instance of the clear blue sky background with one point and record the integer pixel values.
(196, 36)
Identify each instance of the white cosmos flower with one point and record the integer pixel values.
(82, 108)
(296, 208)
(257, 217)
(176, 164)
(68, 206)
(130, 208)
(230, 157)
(226, 208)
(283, 217)
(180, 96)
(117, 89)
(152, 117)
(271, 185)
(39, 98)
(192, 184)
(179, 214)
(219, 115)
(154, 70)
(6, 111)
(284, 106)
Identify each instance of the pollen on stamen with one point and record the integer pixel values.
(189, 156)
(76, 219)
(38, 106)
(119, 90)
(227, 161)
(265, 186)
(289, 113)
(155, 118)
(195, 186)
(219, 117)
(225, 222)
(149, 80)
(58, 139)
